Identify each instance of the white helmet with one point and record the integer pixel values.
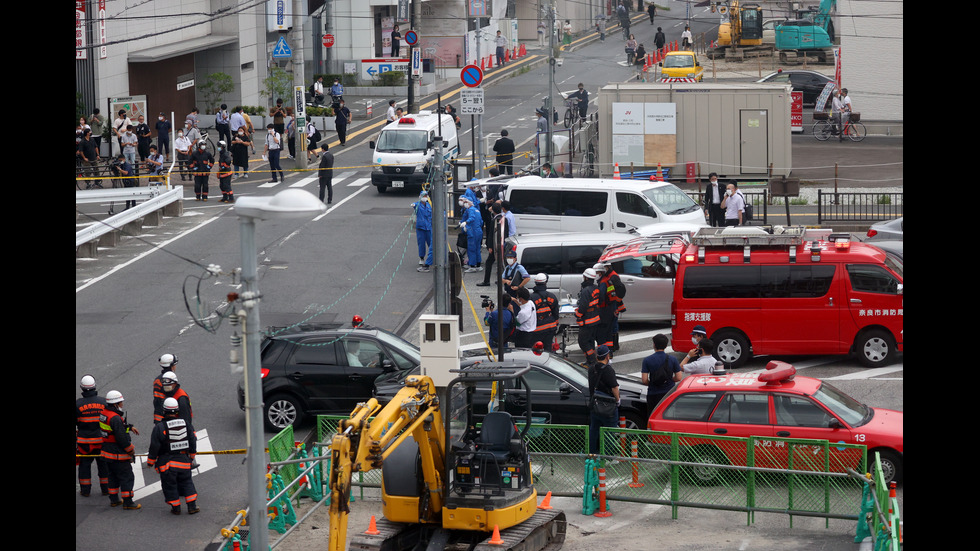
(541, 278)
(88, 383)
(113, 397)
(170, 404)
(168, 380)
(589, 273)
(599, 267)
(168, 360)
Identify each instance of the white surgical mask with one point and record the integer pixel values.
(694, 340)
(511, 260)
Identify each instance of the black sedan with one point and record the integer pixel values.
(811, 83)
(325, 369)
(559, 390)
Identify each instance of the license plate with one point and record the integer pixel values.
(397, 184)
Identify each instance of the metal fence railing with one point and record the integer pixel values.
(858, 207)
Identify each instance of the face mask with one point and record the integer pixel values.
(160, 118)
(180, 134)
(511, 260)
(694, 340)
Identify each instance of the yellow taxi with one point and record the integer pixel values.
(681, 65)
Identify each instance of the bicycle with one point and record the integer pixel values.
(854, 129)
(572, 114)
(210, 147)
(89, 171)
(587, 169)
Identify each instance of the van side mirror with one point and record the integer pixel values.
(371, 144)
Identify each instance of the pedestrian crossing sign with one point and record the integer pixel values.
(282, 49)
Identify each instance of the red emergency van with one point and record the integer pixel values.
(787, 293)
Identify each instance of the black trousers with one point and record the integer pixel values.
(716, 215)
(121, 479)
(586, 341)
(178, 482)
(342, 133)
(85, 468)
(201, 186)
(326, 184)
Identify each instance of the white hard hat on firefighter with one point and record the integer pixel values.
(88, 382)
(168, 360)
(170, 404)
(113, 397)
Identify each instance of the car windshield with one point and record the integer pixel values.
(400, 345)
(895, 264)
(678, 61)
(671, 200)
(851, 411)
(402, 141)
(572, 373)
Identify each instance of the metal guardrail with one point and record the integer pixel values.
(859, 206)
(158, 199)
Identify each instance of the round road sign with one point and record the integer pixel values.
(471, 75)
(328, 40)
(411, 38)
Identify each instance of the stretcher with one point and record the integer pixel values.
(567, 326)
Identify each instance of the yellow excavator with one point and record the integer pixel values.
(448, 480)
(740, 31)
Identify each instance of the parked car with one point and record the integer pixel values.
(325, 368)
(892, 229)
(893, 248)
(780, 404)
(811, 83)
(559, 390)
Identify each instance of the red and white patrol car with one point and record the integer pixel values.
(789, 293)
(781, 405)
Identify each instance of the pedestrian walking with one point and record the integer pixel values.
(118, 451)
(659, 39)
(225, 171)
(652, 10)
(173, 446)
(291, 132)
(423, 230)
(686, 39)
(273, 150)
(341, 121)
(313, 135)
(200, 164)
(88, 437)
(600, 25)
(566, 33)
(325, 174)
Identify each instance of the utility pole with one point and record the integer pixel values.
(440, 230)
(551, 86)
(299, 78)
(415, 18)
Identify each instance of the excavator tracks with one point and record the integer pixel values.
(544, 531)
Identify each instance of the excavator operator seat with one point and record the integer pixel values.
(499, 436)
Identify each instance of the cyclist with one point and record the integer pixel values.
(582, 95)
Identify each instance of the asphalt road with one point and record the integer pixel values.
(149, 295)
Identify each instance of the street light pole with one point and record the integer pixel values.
(290, 203)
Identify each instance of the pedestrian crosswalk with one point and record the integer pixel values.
(343, 178)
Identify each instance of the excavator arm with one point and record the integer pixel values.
(372, 433)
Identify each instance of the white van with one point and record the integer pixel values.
(551, 205)
(404, 149)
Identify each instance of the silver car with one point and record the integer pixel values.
(890, 230)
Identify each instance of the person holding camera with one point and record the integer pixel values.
(699, 360)
(491, 316)
(122, 170)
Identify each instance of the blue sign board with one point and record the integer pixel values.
(282, 49)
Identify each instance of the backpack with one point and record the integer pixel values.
(661, 375)
(747, 214)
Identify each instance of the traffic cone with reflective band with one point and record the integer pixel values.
(495, 539)
(660, 177)
(602, 512)
(372, 527)
(546, 502)
(634, 452)
(616, 172)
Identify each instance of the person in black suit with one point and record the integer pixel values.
(504, 148)
(713, 196)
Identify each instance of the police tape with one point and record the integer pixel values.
(212, 452)
(516, 155)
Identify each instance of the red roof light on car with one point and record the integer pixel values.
(406, 120)
(357, 321)
(777, 373)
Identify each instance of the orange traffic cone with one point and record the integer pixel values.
(546, 502)
(495, 539)
(660, 177)
(515, 53)
(616, 172)
(373, 527)
(506, 56)
(483, 64)
(523, 50)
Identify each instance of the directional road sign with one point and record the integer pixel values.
(471, 75)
